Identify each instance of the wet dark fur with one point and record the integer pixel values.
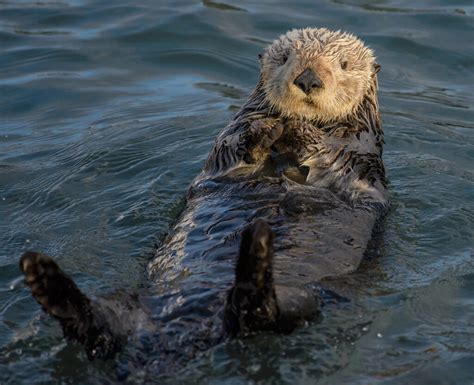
(352, 147)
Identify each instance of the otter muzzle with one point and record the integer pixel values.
(307, 81)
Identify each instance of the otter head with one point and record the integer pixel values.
(316, 74)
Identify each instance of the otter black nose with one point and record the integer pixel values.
(307, 81)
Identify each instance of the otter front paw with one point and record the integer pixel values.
(261, 135)
(264, 132)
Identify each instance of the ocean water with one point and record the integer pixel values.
(107, 112)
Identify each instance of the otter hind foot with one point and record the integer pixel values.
(59, 296)
(251, 304)
(255, 303)
(52, 288)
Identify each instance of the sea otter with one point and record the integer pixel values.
(297, 178)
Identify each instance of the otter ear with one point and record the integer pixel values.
(377, 68)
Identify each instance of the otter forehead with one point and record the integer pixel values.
(317, 74)
(313, 42)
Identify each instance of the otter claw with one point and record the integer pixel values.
(260, 137)
(272, 135)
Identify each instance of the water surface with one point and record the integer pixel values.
(108, 110)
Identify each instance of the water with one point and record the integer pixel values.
(108, 110)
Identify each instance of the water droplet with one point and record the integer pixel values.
(379, 335)
(254, 368)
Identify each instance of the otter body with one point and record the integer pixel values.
(317, 180)
(297, 178)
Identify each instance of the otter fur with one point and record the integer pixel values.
(297, 178)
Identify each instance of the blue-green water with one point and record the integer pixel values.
(107, 112)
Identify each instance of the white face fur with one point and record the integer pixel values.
(339, 72)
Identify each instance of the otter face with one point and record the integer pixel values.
(317, 74)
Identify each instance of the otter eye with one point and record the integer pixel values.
(284, 58)
(344, 64)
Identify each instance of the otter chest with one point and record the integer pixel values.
(302, 141)
(328, 153)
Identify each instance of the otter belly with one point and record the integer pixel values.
(317, 235)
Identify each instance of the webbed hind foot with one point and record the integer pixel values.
(255, 303)
(251, 304)
(59, 296)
